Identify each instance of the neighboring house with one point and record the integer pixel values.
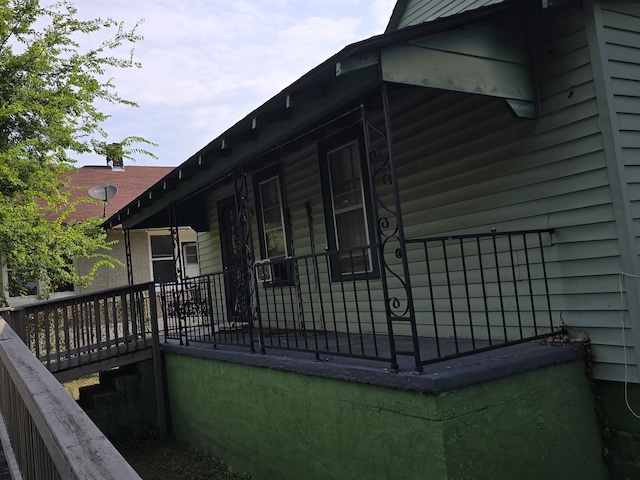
(151, 249)
(514, 115)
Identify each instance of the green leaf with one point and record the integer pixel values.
(50, 89)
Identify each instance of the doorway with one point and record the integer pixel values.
(235, 278)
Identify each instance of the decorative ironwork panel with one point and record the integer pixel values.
(394, 268)
(129, 259)
(175, 240)
(245, 309)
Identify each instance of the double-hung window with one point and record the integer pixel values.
(345, 194)
(162, 263)
(190, 253)
(273, 229)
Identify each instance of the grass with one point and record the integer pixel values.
(73, 387)
(171, 459)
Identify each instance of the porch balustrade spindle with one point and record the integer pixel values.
(533, 308)
(451, 306)
(499, 283)
(432, 297)
(345, 308)
(484, 291)
(466, 290)
(515, 286)
(546, 279)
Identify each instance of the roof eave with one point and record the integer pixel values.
(212, 162)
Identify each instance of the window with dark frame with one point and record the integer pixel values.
(347, 213)
(162, 258)
(273, 229)
(190, 253)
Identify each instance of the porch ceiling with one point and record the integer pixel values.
(480, 52)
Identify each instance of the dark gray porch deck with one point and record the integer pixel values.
(352, 349)
(436, 377)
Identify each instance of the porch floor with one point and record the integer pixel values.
(364, 350)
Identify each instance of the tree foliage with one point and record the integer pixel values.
(50, 92)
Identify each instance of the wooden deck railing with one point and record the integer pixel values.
(51, 437)
(84, 329)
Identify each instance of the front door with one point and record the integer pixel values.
(235, 283)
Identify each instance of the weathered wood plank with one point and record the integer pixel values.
(78, 449)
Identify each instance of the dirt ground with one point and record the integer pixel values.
(156, 460)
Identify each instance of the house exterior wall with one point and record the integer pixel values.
(419, 11)
(466, 165)
(622, 34)
(621, 22)
(140, 256)
(116, 277)
(475, 167)
(618, 26)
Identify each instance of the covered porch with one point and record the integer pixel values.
(338, 218)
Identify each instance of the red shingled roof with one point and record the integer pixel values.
(131, 182)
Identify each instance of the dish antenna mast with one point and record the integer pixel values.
(103, 192)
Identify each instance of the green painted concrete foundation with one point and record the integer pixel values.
(282, 425)
(621, 427)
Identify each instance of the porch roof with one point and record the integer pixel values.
(438, 54)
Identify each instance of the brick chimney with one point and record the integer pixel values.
(117, 161)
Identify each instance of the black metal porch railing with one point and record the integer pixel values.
(305, 303)
(477, 292)
(470, 292)
(82, 329)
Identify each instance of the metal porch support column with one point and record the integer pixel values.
(249, 284)
(129, 259)
(180, 293)
(389, 233)
(175, 240)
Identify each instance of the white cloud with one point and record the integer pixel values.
(208, 63)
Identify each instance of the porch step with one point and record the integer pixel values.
(113, 384)
(95, 397)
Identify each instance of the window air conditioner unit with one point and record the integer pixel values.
(264, 272)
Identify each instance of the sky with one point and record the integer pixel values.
(208, 63)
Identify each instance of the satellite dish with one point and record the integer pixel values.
(103, 192)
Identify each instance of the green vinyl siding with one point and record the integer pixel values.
(621, 21)
(481, 168)
(418, 11)
(620, 27)
(209, 242)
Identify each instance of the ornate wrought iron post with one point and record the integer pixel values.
(175, 240)
(127, 253)
(247, 282)
(389, 233)
(180, 295)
